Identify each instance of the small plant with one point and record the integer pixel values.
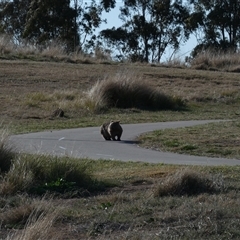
(60, 185)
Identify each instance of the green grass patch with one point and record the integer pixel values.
(172, 143)
(213, 140)
(189, 147)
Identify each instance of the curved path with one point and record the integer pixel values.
(87, 142)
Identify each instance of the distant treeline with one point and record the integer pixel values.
(148, 26)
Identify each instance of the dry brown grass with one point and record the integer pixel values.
(187, 182)
(35, 220)
(52, 51)
(31, 91)
(217, 61)
(6, 44)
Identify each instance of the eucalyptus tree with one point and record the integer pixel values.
(218, 22)
(149, 27)
(12, 17)
(89, 19)
(71, 22)
(48, 20)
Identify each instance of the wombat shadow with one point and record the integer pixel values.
(130, 141)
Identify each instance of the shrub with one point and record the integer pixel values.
(128, 91)
(187, 182)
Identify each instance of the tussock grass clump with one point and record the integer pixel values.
(17, 214)
(209, 60)
(187, 182)
(41, 174)
(6, 152)
(129, 91)
(35, 218)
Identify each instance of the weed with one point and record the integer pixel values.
(58, 186)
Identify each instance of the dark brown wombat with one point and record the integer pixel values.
(111, 130)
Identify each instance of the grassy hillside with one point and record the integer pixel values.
(43, 197)
(31, 91)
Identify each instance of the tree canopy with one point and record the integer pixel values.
(70, 22)
(218, 22)
(50, 19)
(148, 27)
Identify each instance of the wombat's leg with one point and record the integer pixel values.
(105, 134)
(113, 137)
(107, 138)
(119, 138)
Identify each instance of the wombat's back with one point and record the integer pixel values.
(115, 130)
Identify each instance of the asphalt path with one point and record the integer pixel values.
(88, 143)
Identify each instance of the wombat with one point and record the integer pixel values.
(111, 130)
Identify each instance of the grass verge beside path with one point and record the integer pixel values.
(142, 201)
(213, 140)
(194, 112)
